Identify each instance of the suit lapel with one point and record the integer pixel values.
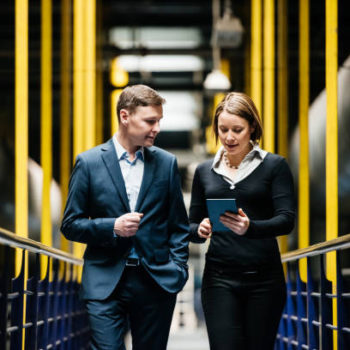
(148, 176)
(111, 162)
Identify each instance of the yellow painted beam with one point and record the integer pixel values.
(269, 76)
(282, 91)
(21, 138)
(304, 77)
(99, 75)
(46, 124)
(65, 104)
(332, 145)
(90, 73)
(256, 54)
(78, 76)
(79, 52)
(21, 123)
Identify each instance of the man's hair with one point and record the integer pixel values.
(138, 95)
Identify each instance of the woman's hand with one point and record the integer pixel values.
(204, 229)
(238, 223)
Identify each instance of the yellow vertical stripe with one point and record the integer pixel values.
(65, 104)
(304, 211)
(79, 51)
(78, 76)
(46, 123)
(90, 74)
(282, 91)
(269, 76)
(256, 54)
(332, 145)
(21, 136)
(99, 75)
(21, 123)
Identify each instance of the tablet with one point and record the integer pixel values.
(217, 207)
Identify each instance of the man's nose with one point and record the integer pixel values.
(156, 127)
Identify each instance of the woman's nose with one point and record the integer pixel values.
(230, 135)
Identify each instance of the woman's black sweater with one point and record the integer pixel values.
(266, 196)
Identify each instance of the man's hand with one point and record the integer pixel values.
(204, 229)
(127, 224)
(238, 223)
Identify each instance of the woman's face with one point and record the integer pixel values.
(234, 134)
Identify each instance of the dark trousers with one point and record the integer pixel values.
(242, 308)
(138, 302)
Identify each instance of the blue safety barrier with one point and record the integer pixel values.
(54, 316)
(307, 320)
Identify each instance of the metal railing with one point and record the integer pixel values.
(39, 313)
(311, 319)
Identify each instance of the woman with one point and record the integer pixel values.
(243, 288)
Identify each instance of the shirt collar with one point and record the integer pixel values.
(255, 151)
(122, 153)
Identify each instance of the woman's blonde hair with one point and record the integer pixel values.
(240, 104)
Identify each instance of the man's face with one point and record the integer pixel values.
(143, 125)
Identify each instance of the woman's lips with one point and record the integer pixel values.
(231, 146)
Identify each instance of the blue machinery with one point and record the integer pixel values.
(55, 318)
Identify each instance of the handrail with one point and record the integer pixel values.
(16, 241)
(319, 248)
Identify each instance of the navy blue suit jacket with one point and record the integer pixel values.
(97, 196)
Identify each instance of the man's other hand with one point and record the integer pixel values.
(127, 224)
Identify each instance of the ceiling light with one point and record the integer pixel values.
(216, 80)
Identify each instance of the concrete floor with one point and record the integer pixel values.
(189, 340)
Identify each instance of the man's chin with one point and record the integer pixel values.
(149, 142)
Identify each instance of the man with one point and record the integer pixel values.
(125, 203)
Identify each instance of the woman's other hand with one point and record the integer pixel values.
(204, 229)
(238, 223)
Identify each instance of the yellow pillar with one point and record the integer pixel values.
(78, 77)
(79, 52)
(21, 136)
(46, 125)
(65, 104)
(90, 74)
(99, 75)
(269, 76)
(282, 91)
(332, 145)
(21, 123)
(256, 54)
(304, 211)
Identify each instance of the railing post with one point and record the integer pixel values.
(312, 315)
(326, 334)
(32, 307)
(4, 278)
(289, 308)
(301, 312)
(17, 308)
(340, 305)
(43, 332)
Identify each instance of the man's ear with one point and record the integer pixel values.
(124, 116)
